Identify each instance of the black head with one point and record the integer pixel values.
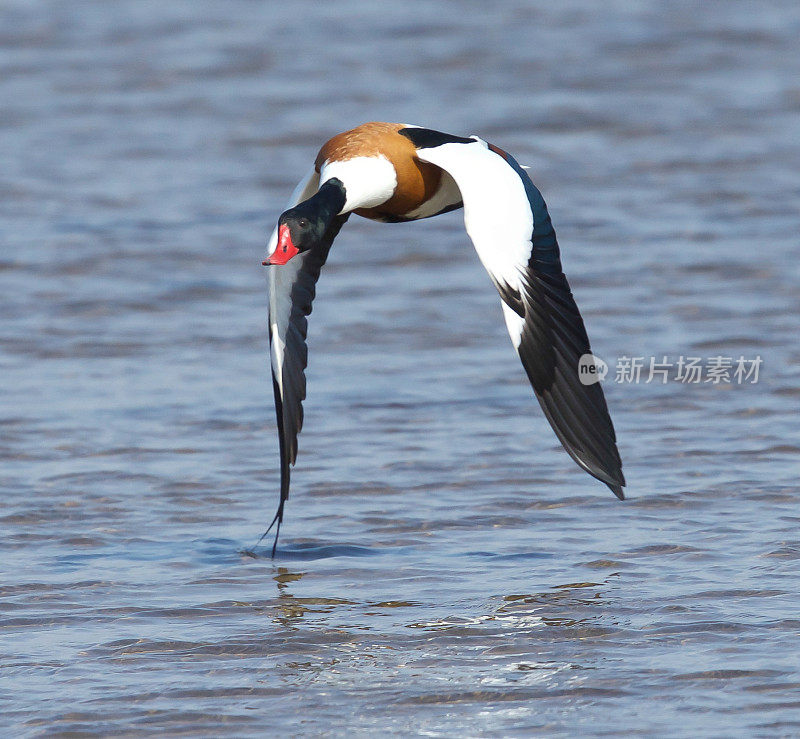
(306, 224)
(302, 227)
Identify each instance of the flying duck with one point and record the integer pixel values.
(393, 173)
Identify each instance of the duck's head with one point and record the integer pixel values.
(296, 233)
(302, 227)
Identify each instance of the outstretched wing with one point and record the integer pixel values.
(507, 221)
(291, 292)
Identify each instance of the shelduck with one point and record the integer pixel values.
(392, 173)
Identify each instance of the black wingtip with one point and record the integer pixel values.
(278, 518)
(617, 490)
(277, 534)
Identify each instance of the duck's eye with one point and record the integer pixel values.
(303, 223)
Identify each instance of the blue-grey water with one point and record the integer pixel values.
(444, 569)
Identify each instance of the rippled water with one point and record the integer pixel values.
(444, 569)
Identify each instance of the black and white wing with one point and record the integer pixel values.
(507, 220)
(291, 291)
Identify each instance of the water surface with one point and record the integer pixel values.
(444, 568)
